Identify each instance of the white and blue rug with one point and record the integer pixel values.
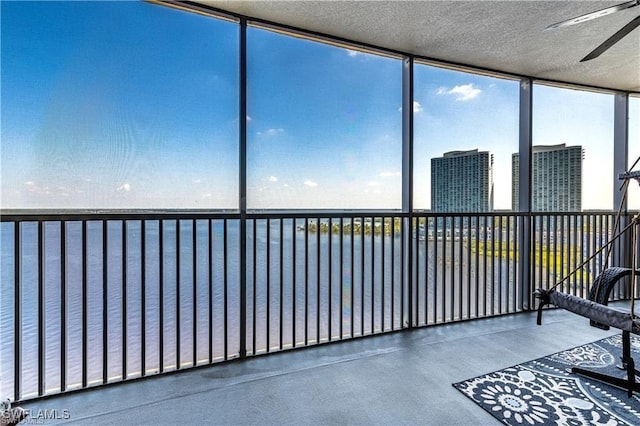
(543, 391)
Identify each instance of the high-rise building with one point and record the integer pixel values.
(462, 181)
(556, 178)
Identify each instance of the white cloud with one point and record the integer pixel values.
(196, 181)
(310, 183)
(373, 184)
(32, 187)
(272, 132)
(35, 188)
(273, 179)
(416, 107)
(125, 187)
(389, 174)
(462, 92)
(249, 118)
(352, 53)
(373, 191)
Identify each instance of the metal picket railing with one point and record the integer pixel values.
(91, 299)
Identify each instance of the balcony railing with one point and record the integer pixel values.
(92, 299)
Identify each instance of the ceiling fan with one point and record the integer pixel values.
(622, 32)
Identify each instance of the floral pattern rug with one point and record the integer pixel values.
(544, 391)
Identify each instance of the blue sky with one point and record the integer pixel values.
(325, 126)
(99, 109)
(134, 105)
(462, 111)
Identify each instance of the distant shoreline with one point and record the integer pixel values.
(295, 211)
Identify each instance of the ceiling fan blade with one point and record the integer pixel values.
(594, 15)
(613, 39)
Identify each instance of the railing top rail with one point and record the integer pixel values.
(41, 215)
(501, 213)
(98, 215)
(142, 214)
(323, 214)
(575, 214)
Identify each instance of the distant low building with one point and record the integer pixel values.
(556, 178)
(462, 181)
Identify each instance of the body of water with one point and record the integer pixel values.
(305, 284)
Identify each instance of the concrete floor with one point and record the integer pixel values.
(393, 379)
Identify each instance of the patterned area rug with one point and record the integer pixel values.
(543, 391)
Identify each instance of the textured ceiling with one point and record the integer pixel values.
(507, 36)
